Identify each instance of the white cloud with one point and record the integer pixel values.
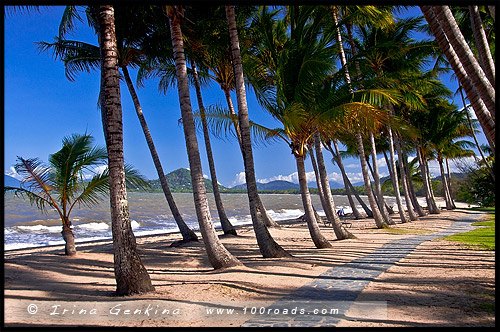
(12, 172)
(352, 166)
(239, 178)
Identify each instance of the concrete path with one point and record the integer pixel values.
(338, 287)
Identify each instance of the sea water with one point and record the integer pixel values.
(25, 226)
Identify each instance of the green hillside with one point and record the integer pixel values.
(180, 181)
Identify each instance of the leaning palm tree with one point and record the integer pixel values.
(131, 275)
(267, 245)
(64, 184)
(79, 56)
(218, 255)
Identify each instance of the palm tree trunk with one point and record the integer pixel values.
(395, 181)
(186, 232)
(444, 182)
(319, 240)
(378, 187)
(482, 44)
(218, 255)
(431, 204)
(492, 174)
(225, 223)
(404, 182)
(409, 180)
(340, 232)
(348, 186)
(484, 115)
(131, 275)
(318, 181)
(233, 112)
(268, 247)
(481, 83)
(379, 220)
(449, 184)
(69, 238)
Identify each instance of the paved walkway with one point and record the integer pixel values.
(341, 285)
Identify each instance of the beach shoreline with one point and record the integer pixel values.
(184, 279)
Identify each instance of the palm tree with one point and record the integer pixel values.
(62, 185)
(218, 255)
(79, 56)
(268, 247)
(485, 57)
(475, 90)
(131, 275)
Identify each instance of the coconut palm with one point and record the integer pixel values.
(79, 56)
(131, 275)
(218, 255)
(445, 30)
(64, 184)
(267, 245)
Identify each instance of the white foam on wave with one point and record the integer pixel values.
(94, 226)
(39, 228)
(284, 214)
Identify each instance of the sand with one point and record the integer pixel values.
(441, 283)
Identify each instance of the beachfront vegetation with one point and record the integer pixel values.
(482, 238)
(386, 96)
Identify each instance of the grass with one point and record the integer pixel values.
(405, 231)
(481, 238)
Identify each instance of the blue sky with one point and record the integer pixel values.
(42, 106)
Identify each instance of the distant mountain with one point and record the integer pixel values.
(9, 181)
(273, 185)
(180, 181)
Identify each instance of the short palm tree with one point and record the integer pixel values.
(63, 184)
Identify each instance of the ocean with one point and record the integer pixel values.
(25, 226)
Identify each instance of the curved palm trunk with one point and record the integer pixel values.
(340, 232)
(225, 223)
(186, 232)
(444, 182)
(484, 115)
(379, 220)
(378, 187)
(404, 182)
(431, 203)
(479, 80)
(268, 247)
(131, 275)
(409, 180)
(268, 221)
(348, 186)
(218, 255)
(482, 44)
(318, 181)
(394, 177)
(319, 240)
(449, 184)
(69, 238)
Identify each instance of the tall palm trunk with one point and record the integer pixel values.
(379, 220)
(318, 180)
(319, 240)
(431, 203)
(350, 190)
(404, 182)
(218, 255)
(444, 182)
(186, 232)
(449, 183)
(340, 232)
(378, 187)
(492, 174)
(482, 44)
(395, 181)
(225, 223)
(409, 180)
(233, 112)
(481, 83)
(131, 275)
(484, 115)
(268, 247)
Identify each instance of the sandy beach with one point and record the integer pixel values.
(441, 283)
